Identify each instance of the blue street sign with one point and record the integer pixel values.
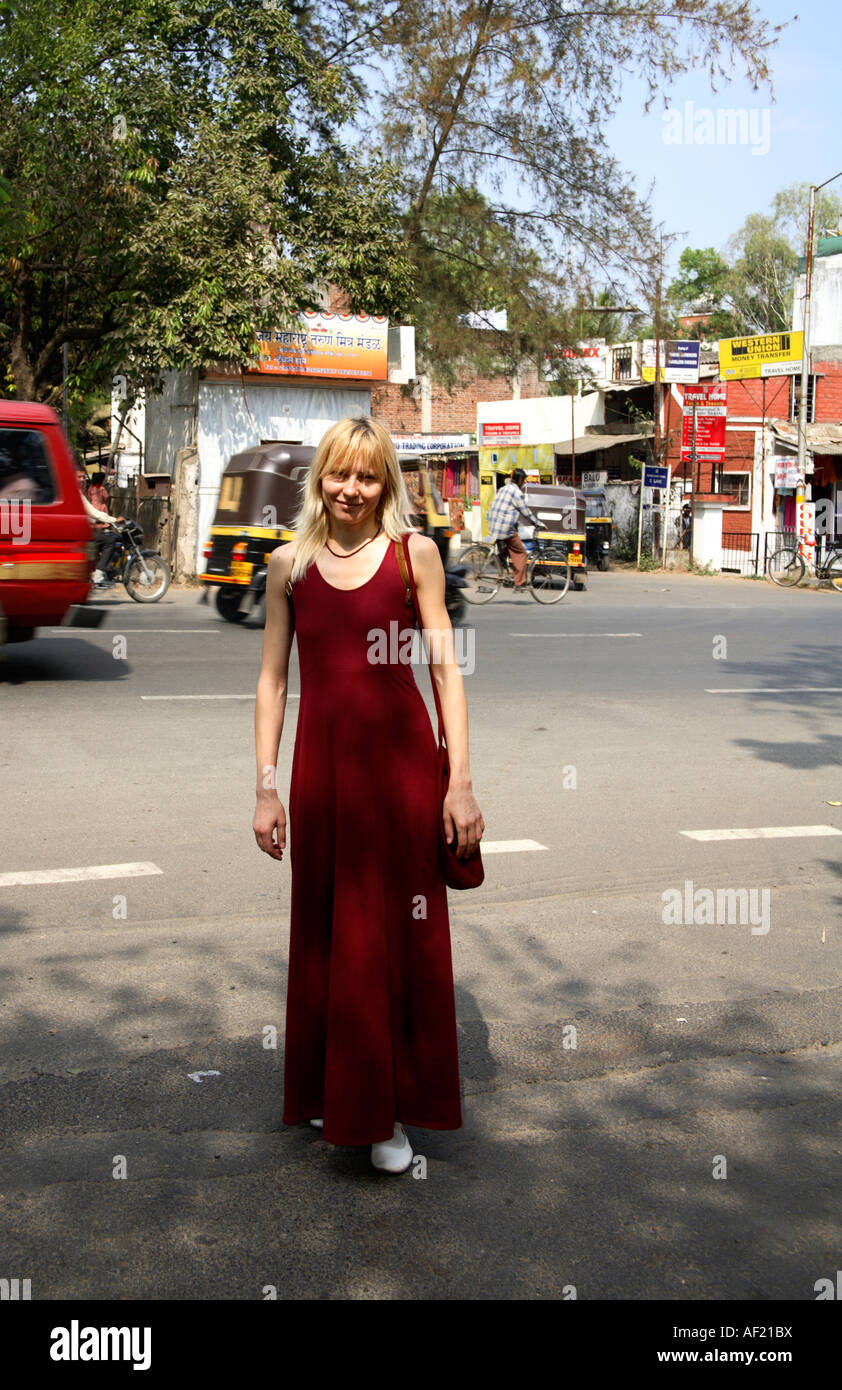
(655, 477)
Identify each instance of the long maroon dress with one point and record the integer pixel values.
(371, 1019)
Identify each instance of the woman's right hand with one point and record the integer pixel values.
(269, 818)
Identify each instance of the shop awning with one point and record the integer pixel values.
(821, 438)
(590, 443)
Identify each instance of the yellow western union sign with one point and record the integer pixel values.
(769, 354)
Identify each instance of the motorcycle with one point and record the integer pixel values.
(145, 574)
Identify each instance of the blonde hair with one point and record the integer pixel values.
(348, 443)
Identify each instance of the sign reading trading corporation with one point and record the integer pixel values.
(332, 345)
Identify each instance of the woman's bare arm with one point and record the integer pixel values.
(270, 706)
(461, 814)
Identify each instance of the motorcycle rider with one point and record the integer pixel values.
(106, 537)
(503, 513)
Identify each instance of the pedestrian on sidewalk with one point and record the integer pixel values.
(503, 514)
(370, 1039)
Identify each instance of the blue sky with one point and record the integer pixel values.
(704, 192)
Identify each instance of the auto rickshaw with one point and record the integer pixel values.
(599, 526)
(431, 515)
(259, 496)
(562, 510)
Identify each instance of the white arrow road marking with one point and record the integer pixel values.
(79, 875)
(776, 690)
(114, 632)
(208, 697)
(771, 832)
(510, 846)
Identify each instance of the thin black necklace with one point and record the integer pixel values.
(349, 553)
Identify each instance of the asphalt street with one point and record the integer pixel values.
(612, 1056)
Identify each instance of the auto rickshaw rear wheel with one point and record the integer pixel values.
(229, 605)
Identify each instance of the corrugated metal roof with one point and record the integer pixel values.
(589, 443)
(822, 438)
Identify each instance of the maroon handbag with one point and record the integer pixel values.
(457, 873)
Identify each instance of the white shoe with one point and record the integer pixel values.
(392, 1155)
(99, 577)
(317, 1124)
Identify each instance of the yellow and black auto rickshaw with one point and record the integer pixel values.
(431, 515)
(561, 509)
(259, 497)
(599, 526)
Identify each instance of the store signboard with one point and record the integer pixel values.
(344, 346)
(683, 362)
(504, 432)
(767, 354)
(429, 443)
(786, 471)
(680, 360)
(588, 360)
(708, 403)
(805, 526)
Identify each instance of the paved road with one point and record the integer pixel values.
(601, 729)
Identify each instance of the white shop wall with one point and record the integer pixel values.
(545, 419)
(230, 422)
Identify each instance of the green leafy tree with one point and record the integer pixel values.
(171, 181)
(703, 286)
(765, 252)
(749, 289)
(510, 97)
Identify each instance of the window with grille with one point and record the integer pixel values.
(621, 364)
(735, 488)
(796, 399)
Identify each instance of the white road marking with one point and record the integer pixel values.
(774, 690)
(510, 846)
(80, 875)
(575, 634)
(209, 697)
(771, 832)
(114, 632)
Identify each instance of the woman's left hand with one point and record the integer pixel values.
(462, 818)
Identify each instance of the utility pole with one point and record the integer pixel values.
(573, 434)
(805, 360)
(656, 433)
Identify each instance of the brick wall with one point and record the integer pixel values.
(829, 392)
(453, 412)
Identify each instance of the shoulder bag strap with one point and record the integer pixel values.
(405, 567)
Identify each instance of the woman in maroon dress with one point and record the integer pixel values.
(371, 1024)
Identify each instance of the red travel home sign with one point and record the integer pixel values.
(500, 432)
(709, 403)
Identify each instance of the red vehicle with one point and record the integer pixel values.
(47, 545)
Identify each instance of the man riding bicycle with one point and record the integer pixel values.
(503, 515)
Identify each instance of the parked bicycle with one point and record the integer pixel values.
(485, 573)
(789, 565)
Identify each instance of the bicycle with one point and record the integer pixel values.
(788, 566)
(485, 572)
